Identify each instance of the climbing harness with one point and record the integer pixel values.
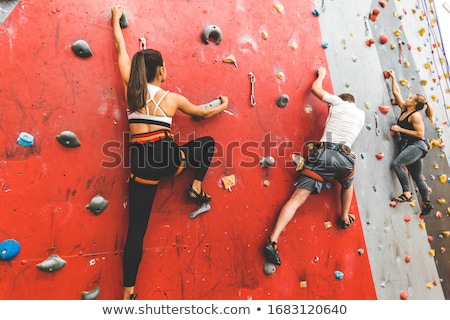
(252, 91)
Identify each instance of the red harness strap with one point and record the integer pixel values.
(312, 175)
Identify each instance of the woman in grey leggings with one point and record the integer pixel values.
(414, 147)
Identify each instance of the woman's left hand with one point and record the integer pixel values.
(395, 128)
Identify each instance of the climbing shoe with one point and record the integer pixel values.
(426, 208)
(271, 253)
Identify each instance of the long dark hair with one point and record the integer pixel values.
(143, 70)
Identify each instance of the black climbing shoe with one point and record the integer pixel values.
(426, 208)
(271, 253)
(133, 296)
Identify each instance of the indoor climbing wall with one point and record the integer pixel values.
(407, 252)
(64, 161)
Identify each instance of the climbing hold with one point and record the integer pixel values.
(443, 178)
(407, 218)
(266, 162)
(229, 181)
(283, 100)
(446, 233)
(308, 109)
(393, 204)
(324, 45)
(422, 225)
(407, 258)
(266, 183)
(386, 74)
(412, 203)
(403, 295)
(81, 48)
(339, 275)
(429, 285)
(279, 7)
(51, 264)
(397, 33)
(360, 251)
(9, 249)
(430, 238)
(438, 215)
(264, 35)
(97, 204)
(293, 45)
(213, 103)
(443, 249)
(25, 139)
(379, 155)
(123, 20)
(384, 109)
(204, 207)
(212, 31)
(432, 253)
(403, 82)
(422, 31)
(280, 75)
(441, 200)
(382, 3)
(327, 224)
(303, 284)
(383, 39)
(68, 139)
(90, 295)
(231, 59)
(315, 12)
(269, 268)
(370, 42)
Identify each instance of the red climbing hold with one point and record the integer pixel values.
(382, 3)
(384, 109)
(379, 155)
(386, 74)
(383, 39)
(403, 295)
(370, 42)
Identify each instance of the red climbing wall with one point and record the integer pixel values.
(47, 89)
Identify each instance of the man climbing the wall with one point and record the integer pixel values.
(331, 158)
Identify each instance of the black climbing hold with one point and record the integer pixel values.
(81, 48)
(51, 264)
(283, 100)
(123, 21)
(9, 249)
(68, 139)
(90, 295)
(212, 31)
(97, 205)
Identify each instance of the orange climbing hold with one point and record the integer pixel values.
(384, 109)
(383, 39)
(382, 3)
(403, 295)
(407, 258)
(379, 155)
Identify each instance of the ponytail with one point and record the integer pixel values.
(421, 102)
(137, 85)
(143, 70)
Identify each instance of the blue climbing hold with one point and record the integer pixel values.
(315, 13)
(324, 45)
(25, 139)
(9, 249)
(339, 275)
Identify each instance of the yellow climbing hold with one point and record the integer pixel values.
(280, 75)
(427, 65)
(406, 64)
(436, 166)
(419, 49)
(403, 82)
(413, 203)
(432, 253)
(393, 46)
(433, 97)
(397, 32)
(441, 200)
(446, 233)
(327, 224)
(264, 35)
(229, 181)
(443, 178)
(442, 60)
(294, 45)
(422, 225)
(424, 82)
(429, 285)
(303, 284)
(435, 143)
(279, 7)
(422, 32)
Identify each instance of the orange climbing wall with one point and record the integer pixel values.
(47, 89)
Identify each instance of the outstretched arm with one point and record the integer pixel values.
(123, 58)
(193, 110)
(317, 86)
(396, 90)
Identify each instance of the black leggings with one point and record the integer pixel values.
(154, 160)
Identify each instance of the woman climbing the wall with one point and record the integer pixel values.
(413, 146)
(153, 152)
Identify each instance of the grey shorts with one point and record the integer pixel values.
(329, 164)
